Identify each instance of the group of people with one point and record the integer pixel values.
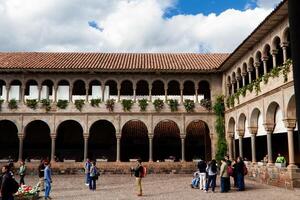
(91, 174)
(206, 175)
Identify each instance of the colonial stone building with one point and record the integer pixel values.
(256, 80)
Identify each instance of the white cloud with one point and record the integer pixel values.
(267, 3)
(128, 26)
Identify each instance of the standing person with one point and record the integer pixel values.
(87, 168)
(93, 176)
(202, 173)
(5, 189)
(240, 165)
(47, 179)
(229, 171)
(138, 173)
(234, 173)
(212, 175)
(224, 176)
(22, 171)
(41, 176)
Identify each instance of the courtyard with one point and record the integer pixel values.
(156, 186)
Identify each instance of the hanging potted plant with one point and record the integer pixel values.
(95, 102)
(127, 104)
(62, 104)
(173, 104)
(79, 104)
(143, 103)
(46, 104)
(110, 104)
(31, 103)
(13, 104)
(158, 104)
(189, 105)
(206, 103)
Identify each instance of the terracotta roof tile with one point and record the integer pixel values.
(148, 62)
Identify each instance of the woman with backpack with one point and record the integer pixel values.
(240, 173)
(212, 175)
(22, 171)
(94, 174)
(139, 174)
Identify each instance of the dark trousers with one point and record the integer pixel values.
(92, 184)
(240, 182)
(225, 184)
(211, 182)
(22, 182)
(7, 197)
(228, 183)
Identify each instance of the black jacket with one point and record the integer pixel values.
(5, 184)
(202, 166)
(239, 167)
(41, 170)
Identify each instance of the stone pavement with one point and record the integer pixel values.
(156, 186)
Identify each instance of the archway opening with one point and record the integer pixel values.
(111, 90)
(134, 141)
(204, 90)
(79, 90)
(268, 56)
(158, 89)
(69, 141)
(197, 141)
(126, 89)
(142, 89)
(95, 90)
(47, 89)
(31, 90)
(189, 90)
(2, 89)
(63, 90)
(9, 141)
(173, 88)
(37, 141)
(14, 90)
(279, 53)
(166, 141)
(102, 141)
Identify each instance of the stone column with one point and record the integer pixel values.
(284, 46)
(119, 93)
(290, 124)
(228, 89)
(86, 140)
(274, 53)
(241, 135)
(166, 93)
(70, 93)
(87, 94)
(182, 148)
(39, 92)
(265, 60)
(150, 93)
(7, 92)
(53, 140)
(238, 78)
(269, 129)
(22, 94)
(253, 131)
(21, 139)
(134, 94)
(230, 150)
(249, 74)
(196, 93)
(244, 74)
(232, 86)
(118, 147)
(150, 147)
(55, 87)
(102, 92)
(256, 66)
(181, 94)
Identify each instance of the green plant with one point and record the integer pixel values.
(189, 105)
(79, 103)
(257, 85)
(110, 104)
(127, 104)
(46, 104)
(206, 103)
(231, 100)
(220, 128)
(158, 104)
(266, 78)
(275, 72)
(32, 103)
(173, 104)
(13, 104)
(286, 69)
(62, 104)
(1, 102)
(228, 102)
(95, 102)
(250, 87)
(143, 103)
(237, 97)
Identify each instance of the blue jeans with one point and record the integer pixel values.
(195, 182)
(92, 184)
(240, 182)
(87, 178)
(224, 184)
(211, 182)
(47, 188)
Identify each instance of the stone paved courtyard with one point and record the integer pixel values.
(71, 187)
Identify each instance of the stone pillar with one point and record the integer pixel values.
(118, 147)
(134, 94)
(290, 125)
(265, 60)
(86, 140)
(269, 129)
(241, 135)
(253, 131)
(150, 147)
(274, 53)
(70, 93)
(249, 74)
(181, 94)
(182, 148)
(53, 140)
(119, 93)
(230, 146)
(196, 94)
(166, 93)
(87, 94)
(244, 74)
(21, 139)
(228, 89)
(39, 92)
(232, 86)
(22, 94)
(7, 92)
(284, 46)
(238, 78)
(102, 92)
(55, 87)
(256, 66)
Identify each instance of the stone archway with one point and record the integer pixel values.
(134, 141)
(37, 141)
(102, 141)
(9, 141)
(166, 141)
(69, 141)
(197, 141)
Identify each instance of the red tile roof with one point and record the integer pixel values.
(133, 62)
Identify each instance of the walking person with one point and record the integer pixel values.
(224, 176)
(93, 176)
(138, 173)
(22, 171)
(87, 168)
(212, 175)
(41, 169)
(240, 172)
(202, 173)
(47, 179)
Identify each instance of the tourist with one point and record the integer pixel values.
(196, 180)
(93, 176)
(224, 176)
(138, 173)
(233, 165)
(22, 171)
(47, 179)
(240, 173)
(41, 169)
(280, 159)
(202, 173)
(87, 168)
(212, 175)
(5, 188)
(229, 171)
(266, 159)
